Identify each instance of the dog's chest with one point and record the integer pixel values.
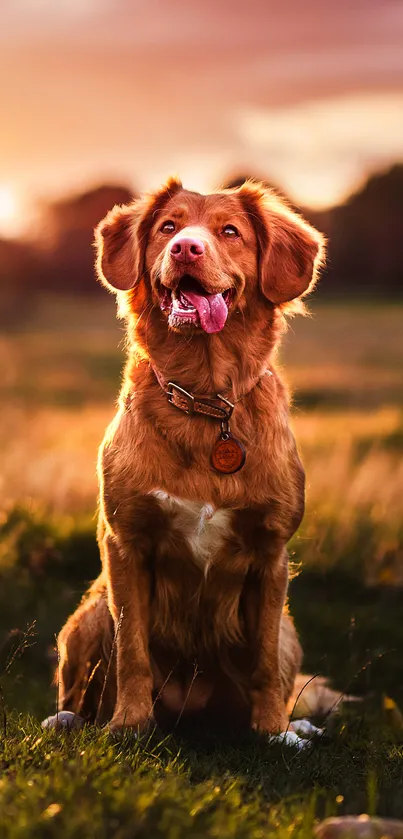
(205, 528)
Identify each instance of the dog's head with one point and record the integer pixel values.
(200, 259)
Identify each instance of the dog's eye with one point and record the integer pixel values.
(168, 227)
(230, 230)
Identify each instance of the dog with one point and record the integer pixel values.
(201, 485)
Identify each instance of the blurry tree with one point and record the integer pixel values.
(19, 267)
(60, 258)
(67, 237)
(365, 244)
(366, 239)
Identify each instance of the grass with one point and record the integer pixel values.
(62, 373)
(86, 785)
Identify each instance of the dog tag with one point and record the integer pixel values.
(228, 455)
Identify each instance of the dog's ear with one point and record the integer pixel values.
(118, 259)
(121, 238)
(290, 250)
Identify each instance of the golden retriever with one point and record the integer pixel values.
(201, 486)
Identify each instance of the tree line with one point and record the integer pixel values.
(365, 244)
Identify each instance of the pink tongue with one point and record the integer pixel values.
(211, 308)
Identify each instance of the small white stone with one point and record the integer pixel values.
(63, 719)
(361, 827)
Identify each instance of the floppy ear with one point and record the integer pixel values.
(121, 238)
(290, 250)
(118, 259)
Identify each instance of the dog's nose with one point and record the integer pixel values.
(187, 249)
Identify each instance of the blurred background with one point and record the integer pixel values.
(101, 99)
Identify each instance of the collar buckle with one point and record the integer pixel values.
(230, 408)
(189, 404)
(190, 400)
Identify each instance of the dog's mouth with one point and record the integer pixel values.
(189, 304)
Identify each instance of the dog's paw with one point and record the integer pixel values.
(63, 720)
(119, 726)
(300, 734)
(305, 729)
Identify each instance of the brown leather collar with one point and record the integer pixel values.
(191, 403)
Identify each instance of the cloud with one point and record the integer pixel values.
(134, 88)
(318, 148)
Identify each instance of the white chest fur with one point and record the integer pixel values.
(204, 527)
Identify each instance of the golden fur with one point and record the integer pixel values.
(189, 615)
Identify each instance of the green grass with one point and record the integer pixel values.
(46, 563)
(194, 783)
(86, 785)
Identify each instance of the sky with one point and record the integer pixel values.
(306, 94)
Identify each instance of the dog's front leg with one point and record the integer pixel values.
(129, 603)
(267, 691)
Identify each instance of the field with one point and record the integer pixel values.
(61, 371)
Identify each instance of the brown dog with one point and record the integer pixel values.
(197, 504)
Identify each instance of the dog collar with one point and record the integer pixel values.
(228, 454)
(191, 403)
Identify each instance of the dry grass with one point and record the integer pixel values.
(354, 492)
(48, 456)
(62, 376)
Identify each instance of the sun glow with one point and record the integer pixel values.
(11, 212)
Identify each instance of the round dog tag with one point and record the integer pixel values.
(228, 454)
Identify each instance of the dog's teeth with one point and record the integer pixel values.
(184, 302)
(177, 307)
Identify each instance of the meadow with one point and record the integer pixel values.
(61, 370)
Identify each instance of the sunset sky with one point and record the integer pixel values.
(308, 94)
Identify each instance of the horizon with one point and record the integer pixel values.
(20, 215)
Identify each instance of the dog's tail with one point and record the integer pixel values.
(312, 697)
